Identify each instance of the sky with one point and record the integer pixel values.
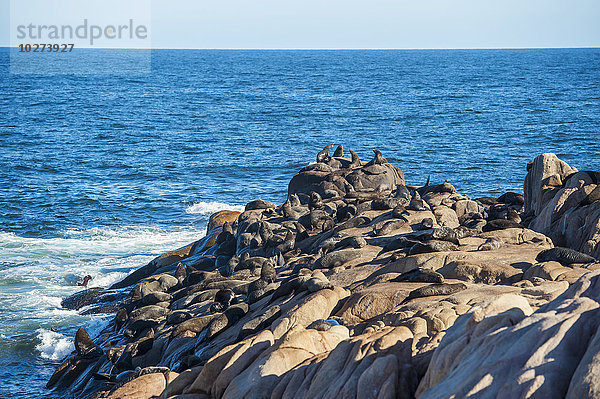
(322, 24)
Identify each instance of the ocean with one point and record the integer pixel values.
(100, 173)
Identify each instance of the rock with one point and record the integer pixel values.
(548, 352)
(220, 218)
(564, 211)
(433, 305)
(88, 297)
(372, 302)
(194, 325)
(463, 207)
(317, 305)
(168, 258)
(145, 386)
(544, 178)
(222, 368)
(445, 216)
(362, 366)
(181, 382)
(299, 344)
(260, 322)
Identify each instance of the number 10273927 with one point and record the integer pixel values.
(46, 48)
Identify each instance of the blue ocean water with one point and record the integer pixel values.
(100, 173)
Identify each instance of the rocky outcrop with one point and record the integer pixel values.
(339, 176)
(564, 204)
(360, 287)
(501, 348)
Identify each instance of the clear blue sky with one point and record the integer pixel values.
(367, 23)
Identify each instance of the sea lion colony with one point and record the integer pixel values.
(359, 286)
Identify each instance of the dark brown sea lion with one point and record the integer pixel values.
(323, 155)
(565, 256)
(420, 274)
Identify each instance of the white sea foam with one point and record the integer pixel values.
(53, 345)
(208, 208)
(37, 273)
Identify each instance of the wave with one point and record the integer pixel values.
(37, 273)
(208, 208)
(53, 345)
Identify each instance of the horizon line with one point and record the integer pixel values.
(329, 48)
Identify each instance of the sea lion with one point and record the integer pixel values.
(512, 198)
(421, 275)
(336, 258)
(180, 273)
(432, 246)
(117, 378)
(402, 194)
(295, 200)
(288, 244)
(84, 345)
(396, 256)
(425, 224)
(223, 299)
(500, 224)
(288, 286)
(323, 155)
(228, 318)
(399, 212)
(382, 204)
(353, 222)
(267, 272)
(339, 152)
(565, 256)
(436, 289)
(486, 201)
(438, 189)
(398, 243)
(440, 233)
(352, 241)
(322, 324)
(260, 322)
(301, 233)
(315, 202)
(355, 160)
(288, 211)
(513, 215)
(388, 227)
(315, 284)
(378, 159)
(416, 202)
(85, 281)
(345, 212)
(259, 204)
(490, 244)
(463, 231)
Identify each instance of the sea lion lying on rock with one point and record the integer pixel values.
(436, 289)
(490, 244)
(388, 227)
(500, 224)
(432, 246)
(565, 256)
(420, 274)
(336, 258)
